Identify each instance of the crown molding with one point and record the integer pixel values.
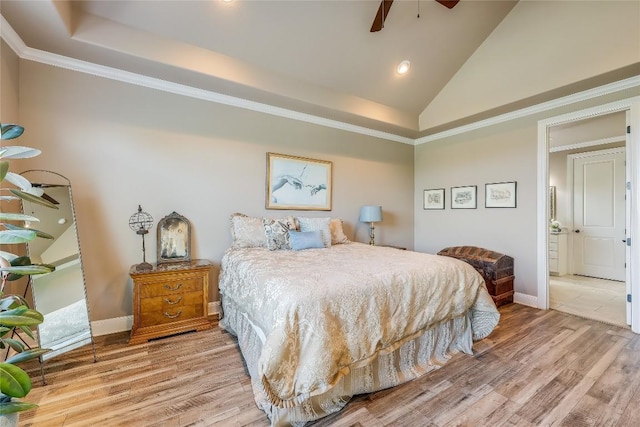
(587, 144)
(607, 89)
(25, 52)
(12, 38)
(48, 58)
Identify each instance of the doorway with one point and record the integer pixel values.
(631, 107)
(587, 257)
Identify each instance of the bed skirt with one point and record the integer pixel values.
(414, 358)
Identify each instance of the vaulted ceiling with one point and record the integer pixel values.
(314, 57)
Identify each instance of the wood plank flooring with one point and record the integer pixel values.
(538, 368)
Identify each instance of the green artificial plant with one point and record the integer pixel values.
(15, 313)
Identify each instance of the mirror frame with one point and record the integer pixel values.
(71, 345)
(165, 233)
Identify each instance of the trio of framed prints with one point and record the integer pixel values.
(496, 195)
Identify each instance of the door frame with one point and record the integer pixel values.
(633, 195)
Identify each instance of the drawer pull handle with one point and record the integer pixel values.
(173, 288)
(168, 301)
(172, 316)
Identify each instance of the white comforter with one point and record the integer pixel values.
(322, 312)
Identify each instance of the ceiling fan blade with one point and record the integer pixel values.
(50, 199)
(448, 3)
(45, 195)
(383, 11)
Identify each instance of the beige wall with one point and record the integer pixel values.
(8, 84)
(539, 47)
(503, 152)
(123, 145)
(9, 71)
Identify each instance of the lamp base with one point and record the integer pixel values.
(372, 237)
(144, 266)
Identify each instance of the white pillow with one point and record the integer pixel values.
(321, 224)
(337, 232)
(247, 231)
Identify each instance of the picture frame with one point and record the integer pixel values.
(433, 199)
(174, 239)
(298, 183)
(464, 197)
(501, 195)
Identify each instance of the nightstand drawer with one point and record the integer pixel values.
(188, 284)
(166, 309)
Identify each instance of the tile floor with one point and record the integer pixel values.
(588, 297)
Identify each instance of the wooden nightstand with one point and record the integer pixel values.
(170, 299)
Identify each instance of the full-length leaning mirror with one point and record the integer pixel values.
(60, 295)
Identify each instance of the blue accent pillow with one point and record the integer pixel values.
(300, 240)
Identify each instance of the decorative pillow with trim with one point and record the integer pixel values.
(247, 231)
(276, 232)
(337, 232)
(301, 240)
(321, 224)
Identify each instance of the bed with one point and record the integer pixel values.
(320, 325)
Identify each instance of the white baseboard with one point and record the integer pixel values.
(124, 323)
(215, 308)
(111, 326)
(524, 299)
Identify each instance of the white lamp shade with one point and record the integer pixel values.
(371, 214)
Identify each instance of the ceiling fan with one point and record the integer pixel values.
(383, 11)
(45, 195)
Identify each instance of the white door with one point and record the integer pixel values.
(599, 215)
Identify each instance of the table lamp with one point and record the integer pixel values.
(371, 214)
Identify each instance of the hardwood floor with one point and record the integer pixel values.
(538, 368)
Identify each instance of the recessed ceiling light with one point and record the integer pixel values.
(403, 67)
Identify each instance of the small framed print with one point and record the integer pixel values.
(433, 199)
(500, 195)
(464, 197)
